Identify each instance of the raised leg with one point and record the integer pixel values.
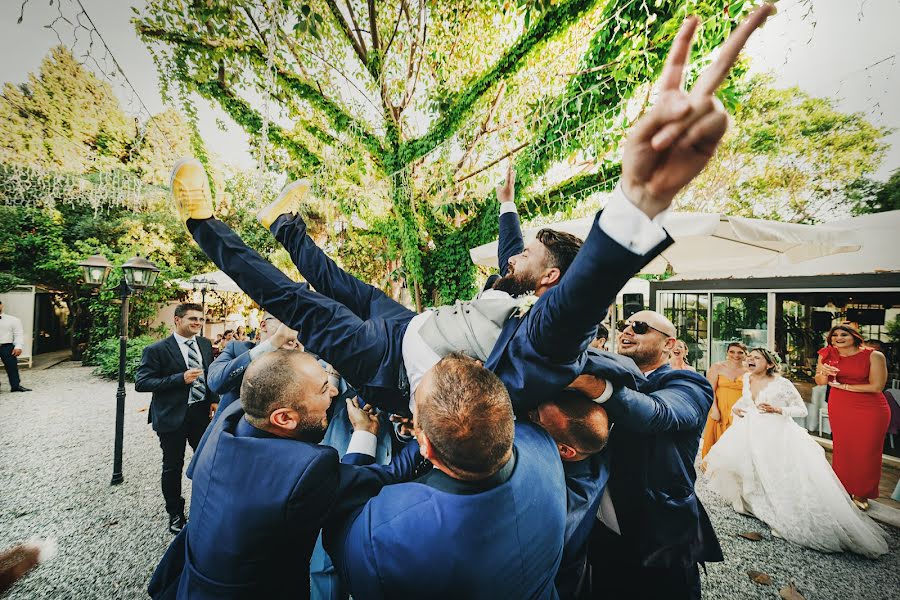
(365, 352)
(366, 301)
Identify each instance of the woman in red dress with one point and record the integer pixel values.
(857, 410)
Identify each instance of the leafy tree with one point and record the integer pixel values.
(68, 129)
(788, 157)
(63, 118)
(869, 196)
(166, 138)
(402, 113)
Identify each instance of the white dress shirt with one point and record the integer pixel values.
(11, 330)
(184, 349)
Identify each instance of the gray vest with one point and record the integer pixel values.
(468, 327)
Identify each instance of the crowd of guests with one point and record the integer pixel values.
(483, 449)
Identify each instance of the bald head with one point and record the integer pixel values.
(580, 427)
(286, 392)
(655, 320)
(648, 339)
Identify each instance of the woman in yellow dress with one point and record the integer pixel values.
(726, 378)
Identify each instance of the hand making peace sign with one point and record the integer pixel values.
(672, 143)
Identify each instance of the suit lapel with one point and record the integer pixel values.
(506, 334)
(172, 344)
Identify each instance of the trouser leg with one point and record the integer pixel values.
(361, 350)
(11, 364)
(616, 573)
(172, 444)
(196, 421)
(366, 301)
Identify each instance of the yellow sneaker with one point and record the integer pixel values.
(190, 189)
(288, 202)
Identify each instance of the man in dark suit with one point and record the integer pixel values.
(263, 486)
(486, 522)
(174, 369)
(653, 528)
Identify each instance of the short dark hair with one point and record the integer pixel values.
(227, 331)
(561, 248)
(602, 332)
(583, 416)
(468, 417)
(183, 308)
(271, 382)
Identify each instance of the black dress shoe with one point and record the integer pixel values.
(176, 523)
(21, 388)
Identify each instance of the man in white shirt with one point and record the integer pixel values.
(175, 370)
(11, 348)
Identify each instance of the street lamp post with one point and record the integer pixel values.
(203, 285)
(137, 273)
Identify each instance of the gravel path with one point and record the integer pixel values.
(56, 461)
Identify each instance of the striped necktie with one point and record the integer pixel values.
(198, 389)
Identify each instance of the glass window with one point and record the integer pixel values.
(738, 318)
(689, 312)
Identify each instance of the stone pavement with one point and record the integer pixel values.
(56, 461)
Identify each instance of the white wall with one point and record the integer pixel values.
(19, 302)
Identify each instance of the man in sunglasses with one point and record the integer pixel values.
(652, 526)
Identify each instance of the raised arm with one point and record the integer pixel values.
(511, 242)
(563, 322)
(681, 404)
(665, 150)
(227, 371)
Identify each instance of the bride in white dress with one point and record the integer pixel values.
(768, 466)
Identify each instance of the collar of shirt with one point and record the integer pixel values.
(181, 339)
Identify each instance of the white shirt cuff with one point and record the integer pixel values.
(628, 226)
(607, 512)
(607, 393)
(261, 349)
(362, 442)
(506, 207)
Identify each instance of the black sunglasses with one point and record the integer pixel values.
(639, 327)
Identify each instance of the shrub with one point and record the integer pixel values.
(105, 356)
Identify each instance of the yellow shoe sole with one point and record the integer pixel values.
(195, 209)
(286, 203)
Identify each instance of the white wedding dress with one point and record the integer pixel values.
(769, 466)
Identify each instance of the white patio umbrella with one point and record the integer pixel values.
(706, 242)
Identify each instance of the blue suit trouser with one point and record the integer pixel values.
(366, 351)
(616, 574)
(364, 300)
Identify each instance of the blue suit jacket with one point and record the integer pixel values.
(652, 449)
(439, 538)
(257, 505)
(226, 373)
(541, 353)
(536, 360)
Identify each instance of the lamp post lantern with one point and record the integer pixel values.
(203, 285)
(137, 273)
